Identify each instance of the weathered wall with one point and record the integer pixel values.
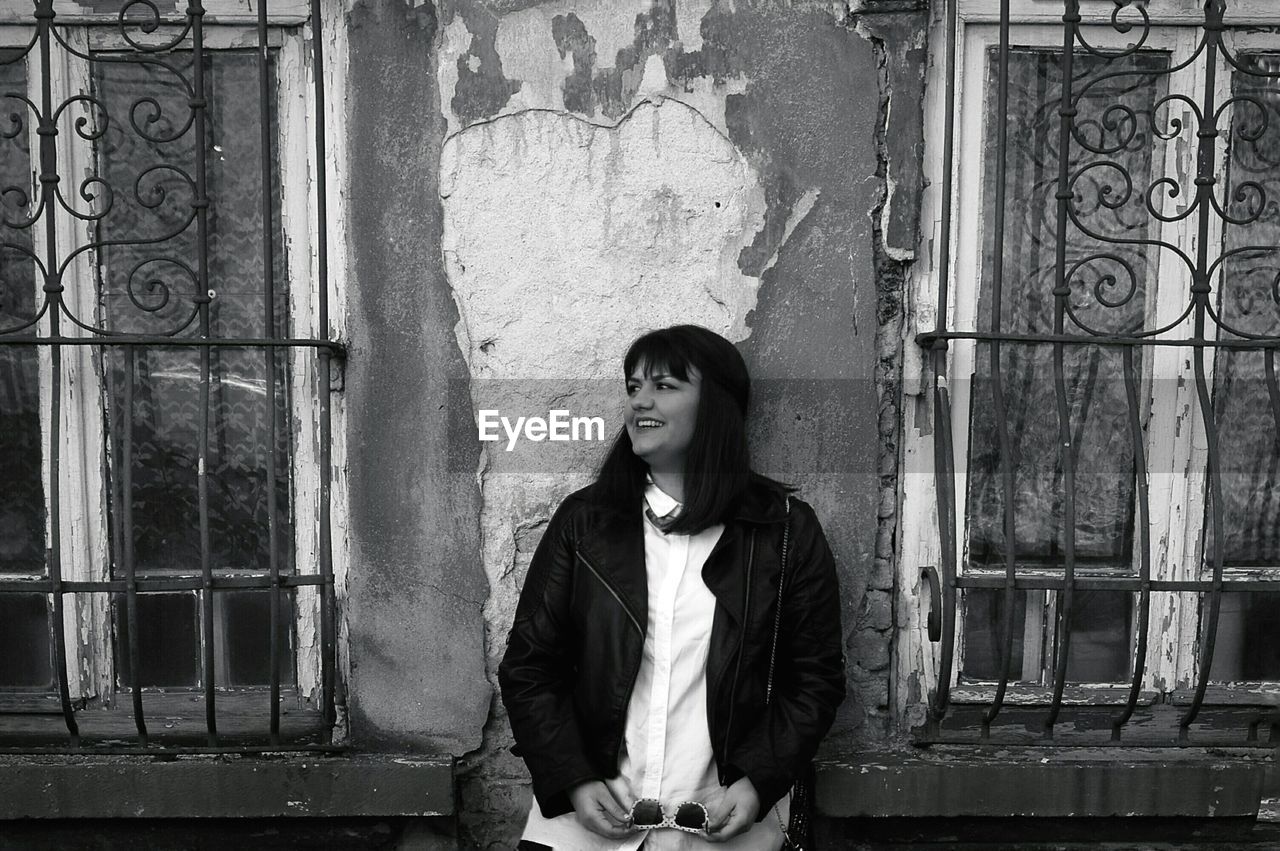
(613, 167)
(535, 184)
(415, 590)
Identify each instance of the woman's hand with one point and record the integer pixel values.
(735, 813)
(598, 811)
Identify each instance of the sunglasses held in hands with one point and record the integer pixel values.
(648, 813)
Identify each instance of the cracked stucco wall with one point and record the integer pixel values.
(612, 167)
(414, 603)
(543, 182)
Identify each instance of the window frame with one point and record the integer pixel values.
(1175, 448)
(309, 214)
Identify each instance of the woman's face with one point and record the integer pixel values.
(660, 415)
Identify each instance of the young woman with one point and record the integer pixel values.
(655, 692)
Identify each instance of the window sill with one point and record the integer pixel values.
(1046, 782)
(74, 787)
(173, 719)
(1025, 695)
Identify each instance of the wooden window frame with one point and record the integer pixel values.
(1175, 438)
(85, 536)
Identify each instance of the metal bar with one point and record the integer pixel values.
(948, 159)
(1066, 450)
(943, 448)
(997, 381)
(199, 106)
(1144, 543)
(47, 132)
(155, 749)
(1273, 390)
(328, 604)
(130, 565)
(944, 472)
(1128, 583)
(206, 565)
(330, 346)
(269, 357)
(932, 339)
(152, 586)
(1273, 387)
(1200, 293)
(1087, 741)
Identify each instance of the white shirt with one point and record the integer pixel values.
(666, 750)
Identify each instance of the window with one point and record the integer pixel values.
(164, 432)
(1100, 408)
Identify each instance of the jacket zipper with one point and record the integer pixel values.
(598, 575)
(617, 750)
(737, 670)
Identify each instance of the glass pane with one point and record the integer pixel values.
(1108, 294)
(26, 650)
(1246, 648)
(22, 508)
(984, 625)
(243, 638)
(1101, 624)
(1249, 301)
(168, 641)
(151, 288)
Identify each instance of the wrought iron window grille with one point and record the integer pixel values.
(123, 276)
(1159, 118)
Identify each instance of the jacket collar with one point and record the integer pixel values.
(761, 504)
(614, 544)
(758, 504)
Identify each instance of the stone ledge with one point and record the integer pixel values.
(73, 786)
(1044, 784)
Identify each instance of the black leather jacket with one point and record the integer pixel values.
(575, 646)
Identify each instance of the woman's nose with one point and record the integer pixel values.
(641, 400)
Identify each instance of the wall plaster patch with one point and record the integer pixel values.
(563, 239)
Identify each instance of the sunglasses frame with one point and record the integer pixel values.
(669, 821)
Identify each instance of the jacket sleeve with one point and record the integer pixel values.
(537, 672)
(809, 671)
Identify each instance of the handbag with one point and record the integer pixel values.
(798, 834)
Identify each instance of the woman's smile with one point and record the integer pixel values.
(660, 416)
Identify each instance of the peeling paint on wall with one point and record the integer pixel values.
(482, 87)
(554, 223)
(564, 240)
(652, 162)
(595, 59)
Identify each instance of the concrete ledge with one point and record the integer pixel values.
(1042, 784)
(385, 785)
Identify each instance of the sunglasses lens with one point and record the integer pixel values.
(646, 812)
(691, 815)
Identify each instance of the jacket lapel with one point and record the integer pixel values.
(617, 550)
(724, 570)
(615, 547)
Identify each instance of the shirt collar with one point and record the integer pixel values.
(659, 501)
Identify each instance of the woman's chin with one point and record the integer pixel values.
(645, 446)
(655, 458)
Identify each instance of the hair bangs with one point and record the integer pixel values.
(656, 352)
